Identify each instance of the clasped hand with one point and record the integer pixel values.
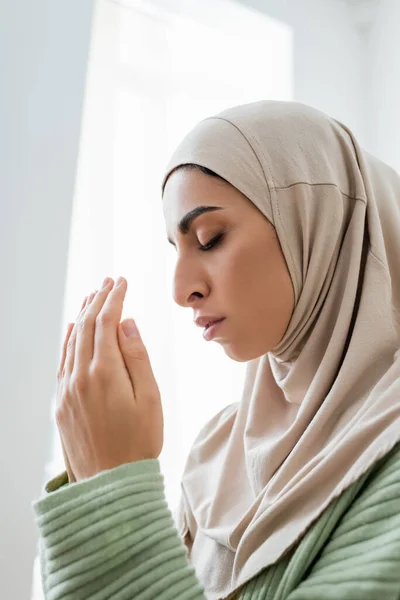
(108, 408)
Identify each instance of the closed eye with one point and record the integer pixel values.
(212, 243)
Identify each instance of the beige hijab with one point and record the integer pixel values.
(324, 405)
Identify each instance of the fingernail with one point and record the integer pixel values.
(129, 328)
(106, 282)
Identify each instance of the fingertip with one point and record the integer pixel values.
(121, 282)
(91, 297)
(129, 329)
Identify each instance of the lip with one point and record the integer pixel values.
(210, 332)
(206, 320)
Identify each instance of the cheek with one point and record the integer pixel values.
(241, 279)
(250, 271)
(258, 292)
(235, 273)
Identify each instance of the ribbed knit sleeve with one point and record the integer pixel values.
(360, 560)
(113, 536)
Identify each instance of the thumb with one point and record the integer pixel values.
(71, 476)
(136, 359)
(129, 329)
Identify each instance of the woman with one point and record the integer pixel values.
(293, 493)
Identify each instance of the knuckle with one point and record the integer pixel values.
(137, 352)
(64, 399)
(61, 410)
(59, 414)
(79, 382)
(84, 322)
(140, 354)
(104, 318)
(99, 369)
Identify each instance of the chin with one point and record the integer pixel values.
(241, 353)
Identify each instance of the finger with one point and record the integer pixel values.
(71, 476)
(83, 305)
(64, 348)
(70, 343)
(137, 360)
(91, 297)
(106, 334)
(85, 332)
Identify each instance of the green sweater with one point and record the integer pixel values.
(113, 537)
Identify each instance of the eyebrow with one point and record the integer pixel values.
(186, 222)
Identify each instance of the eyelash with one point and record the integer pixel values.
(212, 243)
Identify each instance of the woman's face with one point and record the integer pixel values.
(241, 275)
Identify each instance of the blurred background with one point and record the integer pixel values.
(94, 96)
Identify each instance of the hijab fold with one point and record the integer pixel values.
(324, 405)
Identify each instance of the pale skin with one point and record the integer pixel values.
(109, 408)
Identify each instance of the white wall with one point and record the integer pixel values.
(382, 82)
(43, 54)
(43, 57)
(327, 56)
(347, 63)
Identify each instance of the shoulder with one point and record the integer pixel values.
(361, 558)
(223, 418)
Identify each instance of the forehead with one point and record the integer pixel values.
(186, 189)
(179, 195)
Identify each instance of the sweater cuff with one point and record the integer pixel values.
(59, 493)
(112, 531)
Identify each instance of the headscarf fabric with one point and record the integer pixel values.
(324, 405)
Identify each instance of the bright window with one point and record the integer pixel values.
(156, 68)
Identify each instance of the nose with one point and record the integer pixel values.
(189, 284)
